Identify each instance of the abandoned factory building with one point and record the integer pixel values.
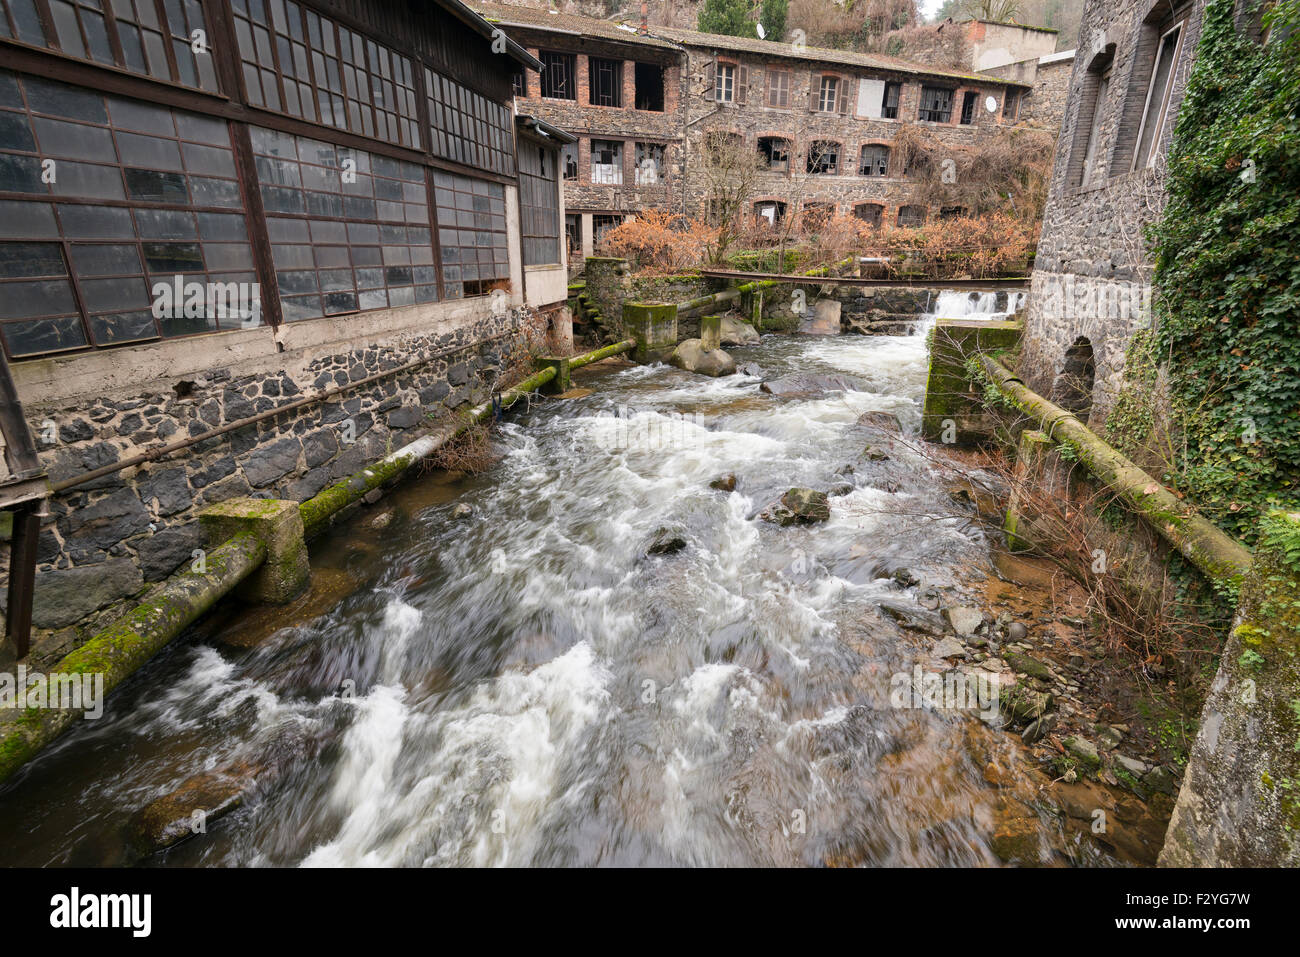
(213, 210)
(642, 101)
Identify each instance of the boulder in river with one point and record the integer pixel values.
(181, 813)
(666, 540)
(724, 483)
(808, 505)
(808, 383)
(691, 356)
(737, 332)
(879, 420)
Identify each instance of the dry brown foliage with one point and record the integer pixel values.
(656, 240)
(975, 247)
(471, 451)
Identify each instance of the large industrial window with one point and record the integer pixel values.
(606, 79)
(298, 62)
(349, 229)
(468, 127)
(649, 87)
(911, 216)
(649, 164)
(1157, 97)
(119, 196)
(602, 224)
(472, 234)
(557, 75)
(823, 157)
(607, 162)
(539, 204)
(889, 102)
(936, 105)
(165, 41)
(875, 161)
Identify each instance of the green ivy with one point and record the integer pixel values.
(1227, 269)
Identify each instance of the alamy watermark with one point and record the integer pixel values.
(1079, 297)
(56, 691)
(948, 691)
(179, 298)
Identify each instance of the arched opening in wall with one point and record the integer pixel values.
(1073, 388)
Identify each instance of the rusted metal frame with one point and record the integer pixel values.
(165, 28)
(114, 40)
(23, 463)
(426, 143)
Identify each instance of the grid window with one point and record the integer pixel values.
(778, 88)
(468, 127)
(936, 105)
(889, 102)
(828, 95)
(606, 78)
(607, 162)
(557, 76)
(471, 235)
(297, 62)
(539, 204)
(124, 196)
(126, 33)
(349, 229)
(823, 157)
(911, 216)
(602, 224)
(724, 86)
(875, 161)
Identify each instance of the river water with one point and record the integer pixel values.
(527, 686)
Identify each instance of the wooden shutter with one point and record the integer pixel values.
(709, 73)
(845, 104)
(814, 91)
(742, 84)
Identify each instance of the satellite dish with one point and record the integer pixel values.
(991, 104)
(761, 32)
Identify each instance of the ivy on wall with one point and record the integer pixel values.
(1227, 273)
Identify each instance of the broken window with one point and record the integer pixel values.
(869, 213)
(952, 212)
(936, 105)
(573, 233)
(557, 76)
(724, 86)
(778, 88)
(889, 103)
(828, 94)
(519, 84)
(911, 215)
(875, 161)
(602, 224)
(1157, 101)
(775, 152)
(607, 162)
(569, 160)
(649, 164)
(649, 87)
(968, 101)
(823, 157)
(606, 81)
(1099, 81)
(769, 211)
(1010, 106)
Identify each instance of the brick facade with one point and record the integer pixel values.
(1092, 275)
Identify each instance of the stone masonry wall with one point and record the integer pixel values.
(108, 540)
(1092, 274)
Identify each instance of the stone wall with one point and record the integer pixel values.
(107, 540)
(1091, 278)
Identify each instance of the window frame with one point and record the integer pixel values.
(1153, 149)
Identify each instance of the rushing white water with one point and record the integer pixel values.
(529, 686)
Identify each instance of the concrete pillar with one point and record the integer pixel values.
(710, 333)
(1031, 457)
(952, 413)
(1239, 805)
(588, 239)
(654, 327)
(276, 523)
(561, 381)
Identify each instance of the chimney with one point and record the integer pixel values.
(645, 18)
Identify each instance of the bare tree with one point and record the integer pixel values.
(730, 170)
(998, 11)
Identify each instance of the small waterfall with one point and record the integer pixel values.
(976, 305)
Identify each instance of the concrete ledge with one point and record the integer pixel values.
(278, 525)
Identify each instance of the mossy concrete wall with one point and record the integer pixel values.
(654, 327)
(1239, 805)
(954, 412)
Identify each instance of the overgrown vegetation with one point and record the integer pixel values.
(1227, 276)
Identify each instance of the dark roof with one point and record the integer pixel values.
(544, 129)
(475, 22)
(549, 20)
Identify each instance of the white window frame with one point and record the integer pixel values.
(1164, 97)
(831, 83)
(724, 83)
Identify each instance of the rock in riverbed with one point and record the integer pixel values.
(736, 332)
(802, 505)
(691, 356)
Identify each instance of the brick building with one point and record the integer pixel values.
(642, 101)
(1091, 282)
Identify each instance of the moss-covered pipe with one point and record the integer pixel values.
(120, 649)
(577, 362)
(1206, 546)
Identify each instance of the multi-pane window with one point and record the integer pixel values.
(468, 127)
(778, 88)
(539, 204)
(607, 162)
(936, 105)
(649, 164)
(130, 34)
(911, 216)
(869, 213)
(823, 157)
(349, 229)
(557, 75)
(828, 94)
(297, 62)
(123, 197)
(889, 102)
(471, 234)
(602, 224)
(1157, 97)
(1010, 106)
(724, 83)
(606, 79)
(875, 161)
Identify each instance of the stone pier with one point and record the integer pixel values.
(278, 524)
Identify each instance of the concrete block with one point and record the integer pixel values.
(278, 525)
